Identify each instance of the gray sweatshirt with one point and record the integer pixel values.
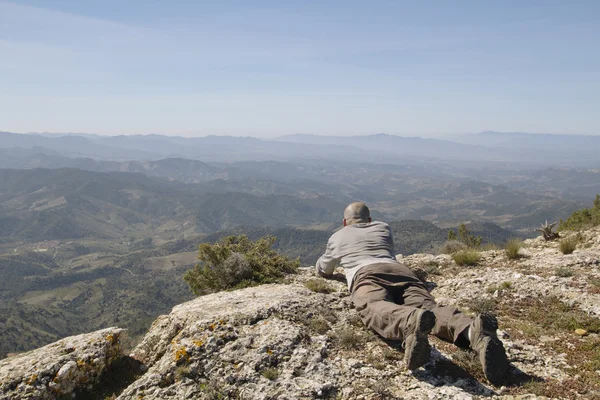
(356, 246)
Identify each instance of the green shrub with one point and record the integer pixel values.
(318, 285)
(568, 246)
(237, 262)
(512, 248)
(582, 219)
(451, 235)
(466, 257)
(464, 236)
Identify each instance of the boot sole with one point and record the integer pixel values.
(495, 363)
(417, 348)
(417, 351)
(426, 322)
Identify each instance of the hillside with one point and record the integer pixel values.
(421, 236)
(69, 204)
(284, 340)
(42, 204)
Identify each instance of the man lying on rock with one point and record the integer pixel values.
(393, 302)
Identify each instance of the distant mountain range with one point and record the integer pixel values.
(70, 146)
(485, 147)
(533, 141)
(521, 148)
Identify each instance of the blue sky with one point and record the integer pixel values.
(269, 68)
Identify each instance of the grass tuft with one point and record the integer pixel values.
(501, 287)
(468, 361)
(512, 248)
(482, 305)
(270, 373)
(466, 257)
(182, 371)
(375, 361)
(551, 315)
(564, 272)
(348, 338)
(390, 354)
(319, 325)
(568, 246)
(354, 320)
(319, 286)
(381, 388)
(489, 247)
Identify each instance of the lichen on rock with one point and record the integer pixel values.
(60, 368)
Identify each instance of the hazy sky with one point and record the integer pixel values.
(267, 68)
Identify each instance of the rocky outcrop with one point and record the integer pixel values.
(288, 342)
(58, 369)
(235, 343)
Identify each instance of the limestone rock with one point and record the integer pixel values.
(60, 368)
(227, 341)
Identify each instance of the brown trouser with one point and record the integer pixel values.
(387, 294)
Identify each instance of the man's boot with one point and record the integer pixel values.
(416, 342)
(489, 348)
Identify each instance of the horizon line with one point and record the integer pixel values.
(183, 135)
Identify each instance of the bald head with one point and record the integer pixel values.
(356, 213)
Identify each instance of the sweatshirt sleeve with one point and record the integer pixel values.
(327, 262)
